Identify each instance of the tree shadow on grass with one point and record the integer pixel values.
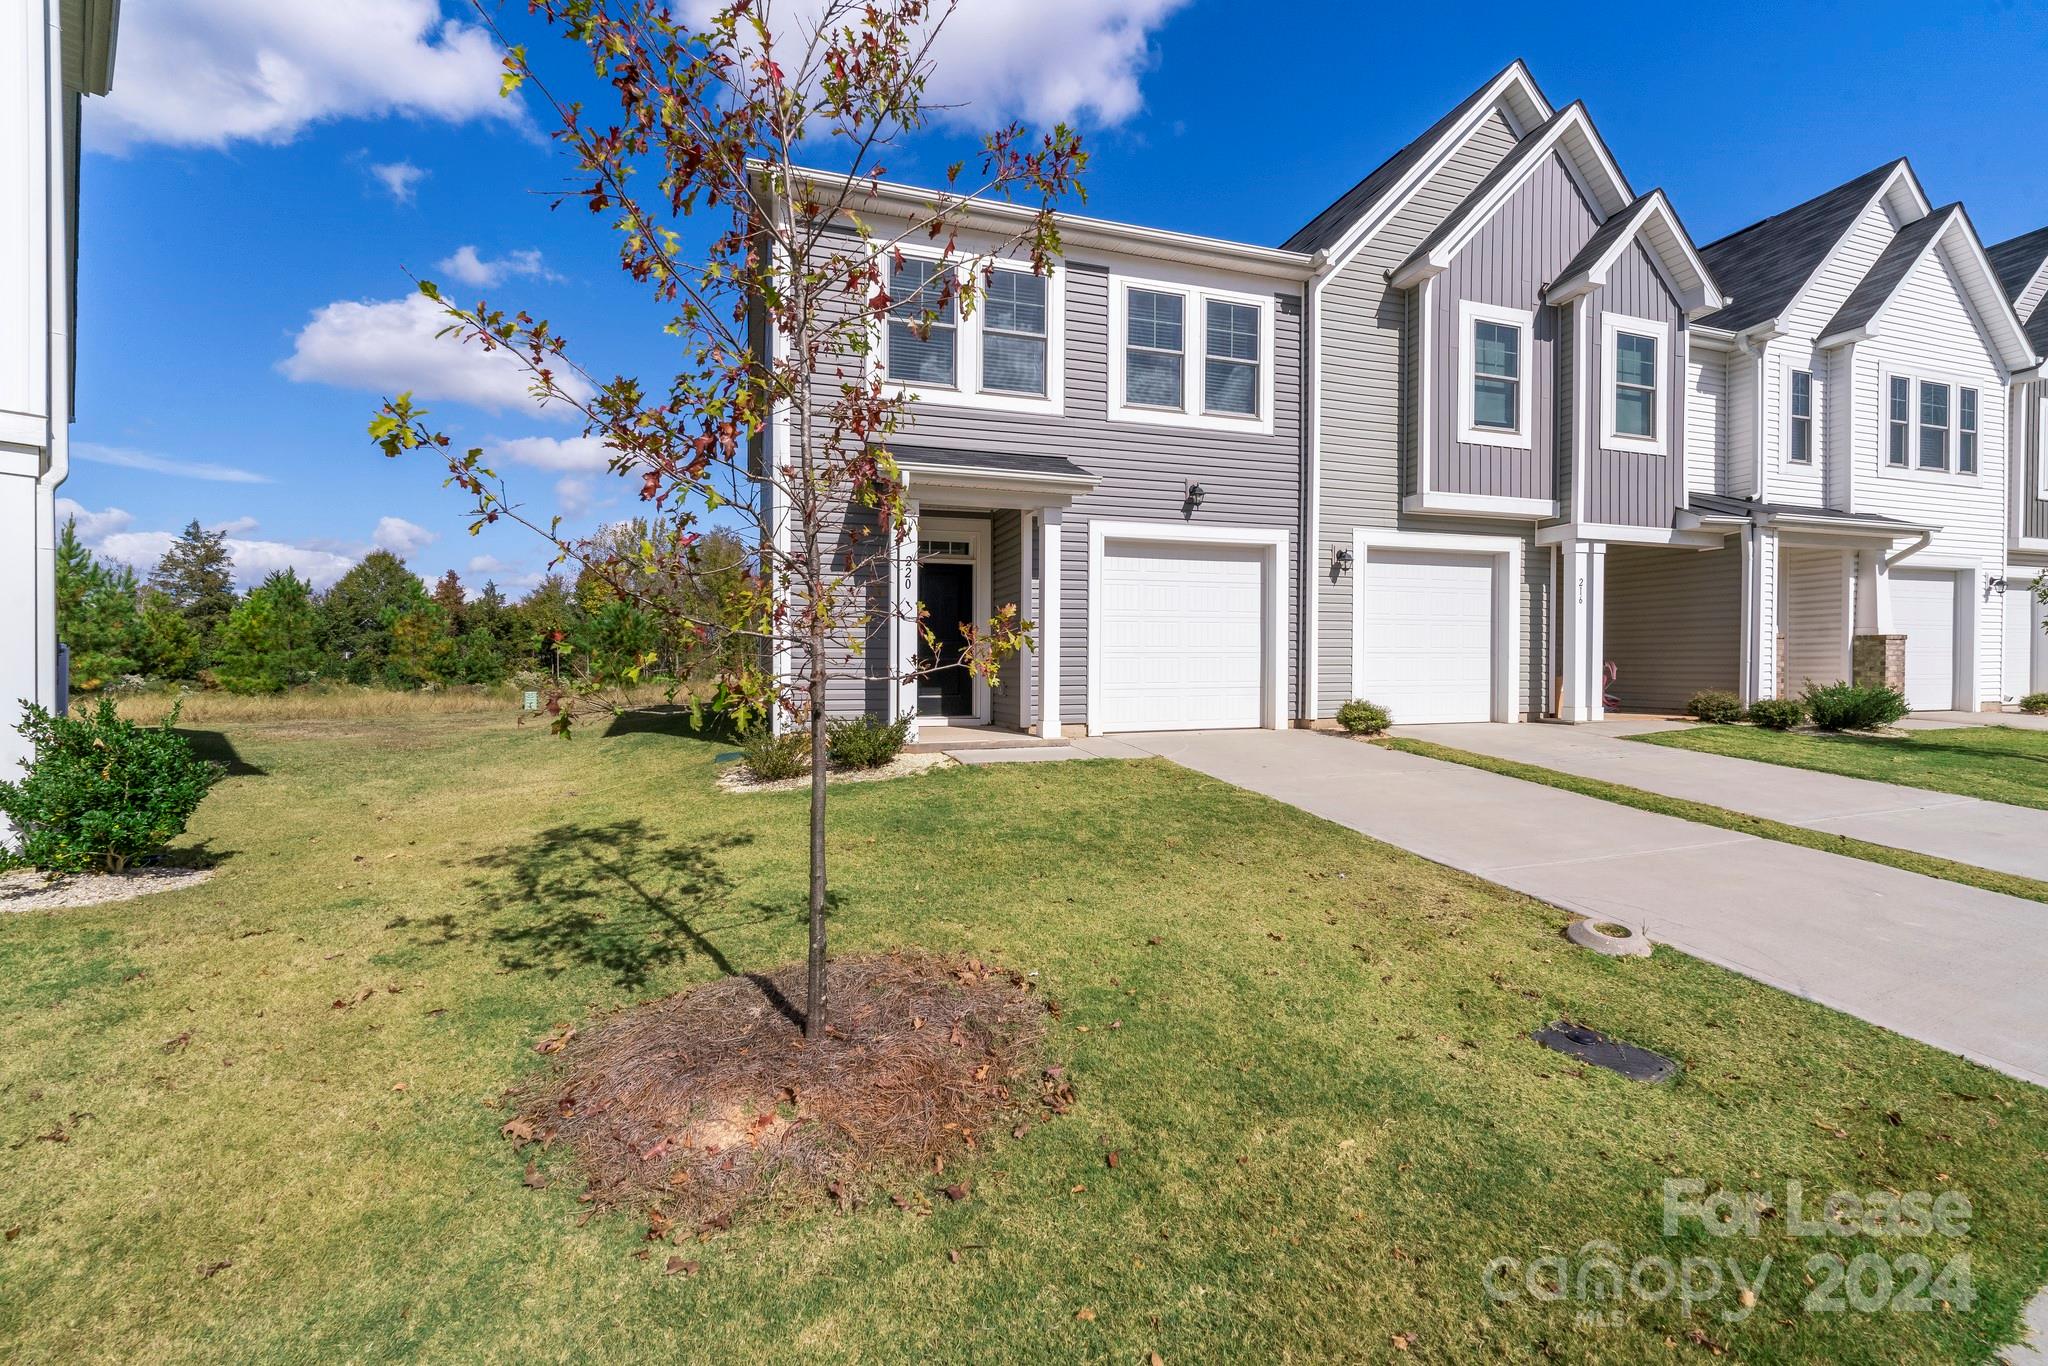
(214, 747)
(617, 897)
(1922, 745)
(675, 723)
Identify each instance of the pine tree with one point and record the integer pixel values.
(357, 614)
(267, 642)
(197, 575)
(97, 617)
(452, 599)
(167, 645)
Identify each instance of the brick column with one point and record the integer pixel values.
(1879, 660)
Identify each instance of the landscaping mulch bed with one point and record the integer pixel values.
(33, 891)
(739, 778)
(711, 1100)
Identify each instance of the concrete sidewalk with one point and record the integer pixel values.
(2011, 839)
(1949, 965)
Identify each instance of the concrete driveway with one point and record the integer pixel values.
(2012, 839)
(1946, 964)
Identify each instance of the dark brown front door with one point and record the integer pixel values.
(947, 592)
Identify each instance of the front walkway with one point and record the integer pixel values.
(1946, 964)
(2010, 839)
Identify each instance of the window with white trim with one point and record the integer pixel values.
(1966, 431)
(1495, 389)
(923, 334)
(1230, 360)
(1800, 449)
(1014, 322)
(1933, 426)
(1190, 355)
(1637, 359)
(1155, 349)
(1635, 386)
(1898, 419)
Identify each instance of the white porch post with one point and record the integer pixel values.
(1596, 631)
(1759, 614)
(1049, 623)
(1578, 651)
(903, 622)
(1873, 594)
(1026, 661)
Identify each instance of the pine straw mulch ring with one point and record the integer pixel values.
(711, 1100)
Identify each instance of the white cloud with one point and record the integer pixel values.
(237, 526)
(574, 495)
(401, 178)
(205, 73)
(389, 346)
(471, 269)
(94, 453)
(512, 579)
(400, 537)
(1043, 60)
(93, 526)
(573, 453)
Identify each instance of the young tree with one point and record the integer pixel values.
(701, 172)
(548, 615)
(167, 644)
(358, 613)
(97, 614)
(449, 595)
(197, 575)
(267, 643)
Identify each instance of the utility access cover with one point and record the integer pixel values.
(1590, 1045)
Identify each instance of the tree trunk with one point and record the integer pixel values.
(814, 990)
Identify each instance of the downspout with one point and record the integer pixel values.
(1919, 544)
(58, 303)
(1759, 467)
(1310, 600)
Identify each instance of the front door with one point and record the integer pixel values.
(944, 689)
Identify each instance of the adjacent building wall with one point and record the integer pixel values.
(1674, 623)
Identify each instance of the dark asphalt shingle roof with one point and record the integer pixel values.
(1510, 165)
(1328, 226)
(1727, 505)
(1892, 264)
(1761, 267)
(2017, 260)
(1609, 233)
(995, 462)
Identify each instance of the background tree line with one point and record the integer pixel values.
(379, 624)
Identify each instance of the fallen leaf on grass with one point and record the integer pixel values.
(534, 1180)
(1085, 1315)
(678, 1267)
(1111, 1159)
(209, 1272)
(556, 1042)
(1401, 1341)
(181, 1041)
(401, 1086)
(958, 1192)
(519, 1131)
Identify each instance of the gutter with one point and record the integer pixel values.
(1920, 543)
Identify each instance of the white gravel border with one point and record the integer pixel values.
(33, 891)
(736, 779)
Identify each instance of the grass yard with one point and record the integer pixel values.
(1997, 763)
(1328, 1115)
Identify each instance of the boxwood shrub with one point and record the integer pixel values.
(1714, 707)
(864, 742)
(1777, 713)
(1854, 706)
(1361, 717)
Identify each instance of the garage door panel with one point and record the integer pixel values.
(1924, 611)
(1429, 635)
(1183, 636)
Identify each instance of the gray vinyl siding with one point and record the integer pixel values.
(1250, 480)
(1632, 488)
(1567, 414)
(1363, 324)
(1523, 247)
(1006, 551)
(1673, 624)
(2029, 440)
(857, 657)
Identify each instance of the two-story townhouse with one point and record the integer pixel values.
(1496, 323)
(2022, 266)
(1849, 425)
(1115, 447)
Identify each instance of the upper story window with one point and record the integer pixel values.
(1230, 368)
(1898, 417)
(1932, 426)
(923, 335)
(1155, 349)
(1632, 399)
(1494, 392)
(1005, 353)
(1190, 356)
(1800, 450)
(1014, 333)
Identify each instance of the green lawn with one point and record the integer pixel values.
(1997, 763)
(1328, 1114)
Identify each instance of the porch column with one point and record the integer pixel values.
(1759, 614)
(903, 622)
(1580, 650)
(1049, 623)
(1023, 666)
(1873, 594)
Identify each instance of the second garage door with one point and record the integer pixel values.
(1924, 611)
(1183, 636)
(1429, 635)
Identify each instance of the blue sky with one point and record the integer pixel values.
(245, 239)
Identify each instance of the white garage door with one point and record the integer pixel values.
(1924, 611)
(1183, 636)
(1429, 635)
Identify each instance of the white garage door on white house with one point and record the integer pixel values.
(1924, 611)
(1429, 635)
(1183, 636)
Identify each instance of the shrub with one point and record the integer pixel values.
(1851, 706)
(1777, 713)
(772, 758)
(1361, 717)
(2034, 703)
(1715, 708)
(101, 792)
(864, 742)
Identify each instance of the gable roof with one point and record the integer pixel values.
(1571, 124)
(1947, 226)
(1898, 258)
(2018, 260)
(1652, 219)
(1330, 226)
(1763, 266)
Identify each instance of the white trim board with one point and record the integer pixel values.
(1273, 688)
(1507, 591)
(1470, 313)
(1612, 325)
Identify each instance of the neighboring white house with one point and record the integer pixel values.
(52, 53)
